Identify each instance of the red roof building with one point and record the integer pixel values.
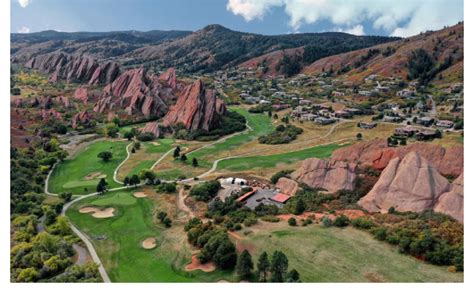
(280, 198)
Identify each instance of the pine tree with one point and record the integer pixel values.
(195, 162)
(263, 266)
(177, 150)
(126, 181)
(299, 207)
(279, 266)
(244, 265)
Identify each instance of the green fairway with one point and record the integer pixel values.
(342, 255)
(70, 175)
(121, 252)
(260, 124)
(270, 161)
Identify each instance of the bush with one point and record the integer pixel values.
(282, 134)
(146, 136)
(205, 191)
(327, 222)
(270, 218)
(166, 187)
(380, 233)
(292, 221)
(279, 174)
(341, 221)
(362, 223)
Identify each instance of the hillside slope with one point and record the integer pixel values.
(390, 59)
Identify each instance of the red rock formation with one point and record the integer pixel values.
(64, 101)
(287, 186)
(452, 202)
(327, 174)
(169, 76)
(46, 115)
(81, 94)
(377, 154)
(196, 108)
(82, 117)
(105, 73)
(408, 184)
(134, 92)
(151, 127)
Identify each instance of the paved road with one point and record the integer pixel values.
(127, 148)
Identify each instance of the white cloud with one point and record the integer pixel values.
(24, 3)
(357, 30)
(400, 18)
(24, 30)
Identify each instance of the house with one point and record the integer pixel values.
(365, 93)
(426, 135)
(405, 131)
(304, 102)
(337, 94)
(371, 77)
(406, 93)
(280, 198)
(308, 117)
(264, 102)
(445, 123)
(342, 114)
(251, 100)
(394, 119)
(324, 120)
(365, 125)
(279, 107)
(247, 195)
(425, 121)
(354, 111)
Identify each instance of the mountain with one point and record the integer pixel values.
(99, 45)
(434, 55)
(215, 47)
(211, 48)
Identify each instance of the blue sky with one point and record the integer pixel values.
(361, 17)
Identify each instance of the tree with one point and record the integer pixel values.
(177, 150)
(293, 276)
(105, 156)
(299, 207)
(102, 186)
(128, 135)
(183, 158)
(147, 175)
(263, 266)
(244, 265)
(126, 181)
(341, 221)
(278, 267)
(359, 136)
(136, 145)
(134, 180)
(66, 196)
(195, 162)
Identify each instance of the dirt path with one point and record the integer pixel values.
(182, 205)
(82, 254)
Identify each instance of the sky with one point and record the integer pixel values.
(401, 18)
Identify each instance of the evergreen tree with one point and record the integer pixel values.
(102, 186)
(195, 162)
(293, 276)
(263, 266)
(299, 207)
(183, 158)
(244, 265)
(126, 181)
(177, 150)
(278, 267)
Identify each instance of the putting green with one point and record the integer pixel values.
(70, 175)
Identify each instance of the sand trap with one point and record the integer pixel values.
(95, 175)
(140, 194)
(98, 213)
(149, 243)
(196, 265)
(155, 143)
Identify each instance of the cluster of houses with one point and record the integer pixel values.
(324, 114)
(419, 134)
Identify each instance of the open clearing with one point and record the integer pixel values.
(73, 174)
(340, 255)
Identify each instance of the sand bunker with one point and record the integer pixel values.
(140, 194)
(196, 265)
(149, 243)
(98, 213)
(155, 143)
(95, 175)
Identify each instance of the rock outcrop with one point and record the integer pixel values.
(151, 127)
(330, 175)
(81, 118)
(73, 68)
(81, 94)
(287, 186)
(452, 202)
(64, 101)
(169, 76)
(134, 92)
(408, 184)
(376, 153)
(196, 108)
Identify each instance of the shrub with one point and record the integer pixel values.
(166, 187)
(341, 221)
(205, 191)
(327, 222)
(362, 223)
(270, 218)
(292, 221)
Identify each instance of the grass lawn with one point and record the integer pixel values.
(271, 161)
(341, 255)
(70, 174)
(121, 252)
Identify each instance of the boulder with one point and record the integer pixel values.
(408, 184)
(376, 153)
(330, 175)
(287, 186)
(82, 117)
(81, 94)
(196, 108)
(452, 202)
(151, 127)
